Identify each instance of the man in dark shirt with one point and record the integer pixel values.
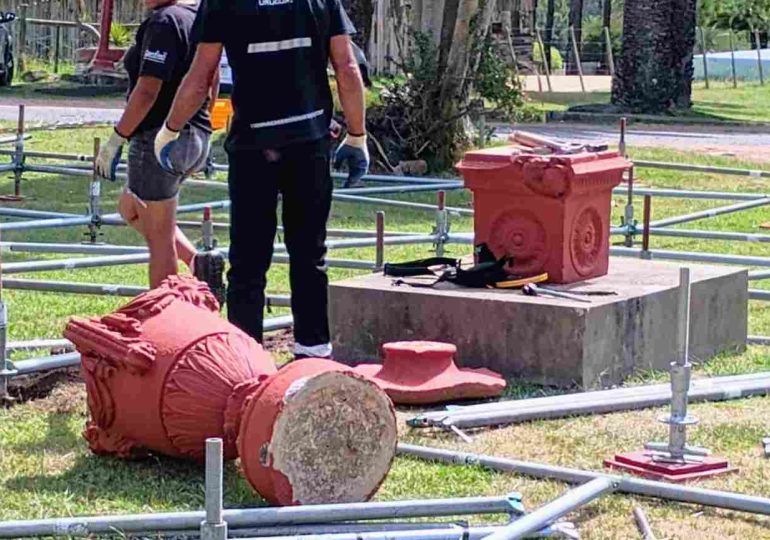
(278, 51)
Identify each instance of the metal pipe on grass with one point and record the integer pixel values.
(73, 287)
(643, 524)
(552, 511)
(38, 214)
(33, 344)
(73, 263)
(448, 532)
(344, 197)
(710, 235)
(501, 417)
(387, 529)
(45, 223)
(407, 188)
(379, 259)
(712, 212)
(759, 294)
(57, 361)
(214, 527)
(759, 274)
(100, 249)
(741, 260)
(635, 486)
(598, 402)
(687, 167)
(288, 515)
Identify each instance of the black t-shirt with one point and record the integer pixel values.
(278, 51)
(164, 49)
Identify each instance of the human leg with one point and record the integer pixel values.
(306, 188)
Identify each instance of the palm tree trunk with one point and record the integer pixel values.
(575, 21)
(550, 11)
(655, 68)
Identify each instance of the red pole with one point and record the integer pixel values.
(102, 59)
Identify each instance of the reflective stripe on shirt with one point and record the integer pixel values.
(275, 46)
(288, 120)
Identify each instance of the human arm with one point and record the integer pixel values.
(214, 90)
(350, 88)
(189, 98)
(195, 86)
(350, 85)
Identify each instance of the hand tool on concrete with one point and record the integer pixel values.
(558, 147)
(533, 290)
(517, 283)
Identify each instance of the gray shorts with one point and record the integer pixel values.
(148, 180)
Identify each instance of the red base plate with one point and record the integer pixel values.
(11, 198)
(642, 464)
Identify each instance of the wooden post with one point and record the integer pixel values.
(22, 37)
(576, 53)
(703, 52)
(610, 54)
(646, 224)
(57, 49)
(732, 59)
(513, 55)
(544, 57)
(759, 57)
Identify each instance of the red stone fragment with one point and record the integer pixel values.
(166, 372)
(424, 372)
(316, 432)
(550, 213)
(641, 463)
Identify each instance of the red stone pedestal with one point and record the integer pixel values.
(641, 463)
(549, 213)
(424, 372)
(166, 372)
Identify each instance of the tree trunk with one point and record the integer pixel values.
(361, 13)
(447, 32)
(575, 21)
(549, 15)
(606, 23)
(655, 69)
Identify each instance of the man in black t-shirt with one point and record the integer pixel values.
(279, 51)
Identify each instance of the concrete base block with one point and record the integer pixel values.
(548, 340)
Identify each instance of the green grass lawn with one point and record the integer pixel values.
(721, 102)
(46, 470)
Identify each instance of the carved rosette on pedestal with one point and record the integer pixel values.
(165, 372)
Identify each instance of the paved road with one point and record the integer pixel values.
(37, 114)
(664, 136)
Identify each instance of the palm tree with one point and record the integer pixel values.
(655, 69)
(576, 22)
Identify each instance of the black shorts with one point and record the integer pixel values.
(151, 182)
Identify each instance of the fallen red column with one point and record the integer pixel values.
(165, 372)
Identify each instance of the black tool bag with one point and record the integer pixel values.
(480, 276)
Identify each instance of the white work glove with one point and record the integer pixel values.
(106, 163)
(164, 143)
